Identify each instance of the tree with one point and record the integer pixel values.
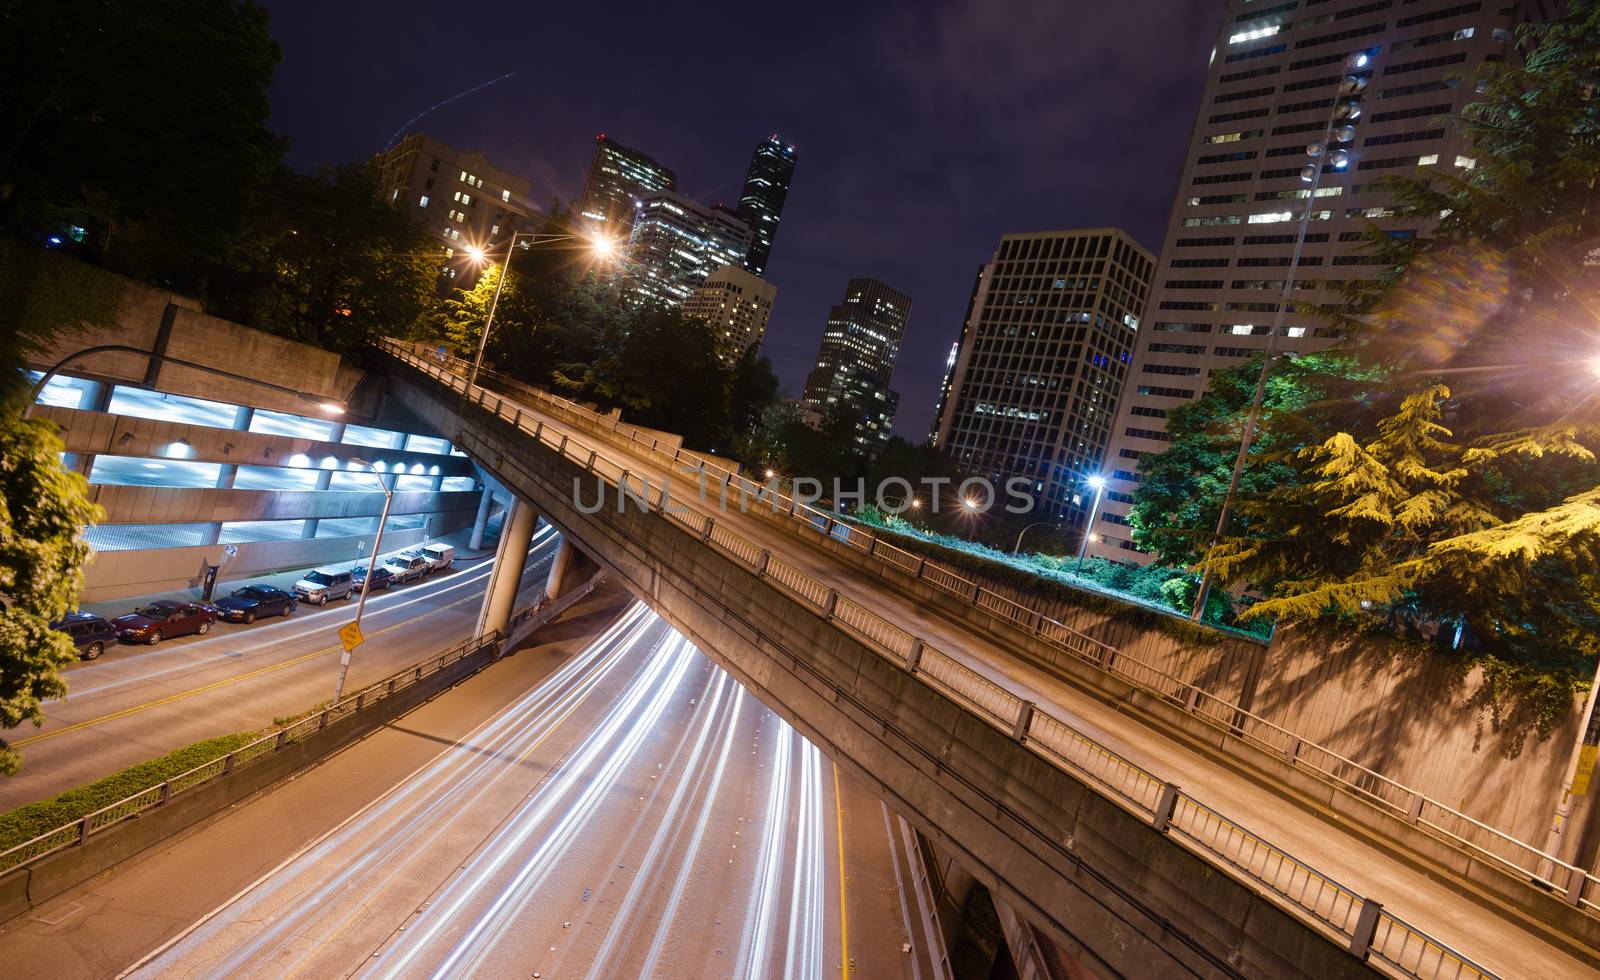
(330, 264)
(43, 507)
(139, 128)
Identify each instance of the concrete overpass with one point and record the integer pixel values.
(1137, 853)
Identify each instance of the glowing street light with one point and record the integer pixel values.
(1098, 484)
(1594, 365)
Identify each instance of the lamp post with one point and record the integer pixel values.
(329, 405)
(1097, 482)
(372, 565)
(1346, 109)
(1018, 546)
(601, 246)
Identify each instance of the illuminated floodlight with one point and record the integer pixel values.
(179, 450)
(475, 253)
(1594, 365)
(1097, 481)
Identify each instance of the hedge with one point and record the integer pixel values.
(30, 820)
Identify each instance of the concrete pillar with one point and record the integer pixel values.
(337, 435)
(500, 599)
(226, 475)
(481, 522)
(242, 417)
(212, 534)
(397, 440)
(437, 483)
(96, 396)
(324, 479)
(79, 463)
(558, 568)
(310, 529)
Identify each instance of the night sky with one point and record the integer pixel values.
(924, 130)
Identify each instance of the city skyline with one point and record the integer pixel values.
(858, 208)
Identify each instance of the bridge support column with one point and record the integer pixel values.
(558, 568)
(481, 523)
(500, 599)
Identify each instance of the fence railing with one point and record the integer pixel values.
(84, 828)
(1364, 924)
(1466, 834)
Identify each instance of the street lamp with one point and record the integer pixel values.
(599, 244)
(328, 405)
(1098, 483)
(1340, 128)
(372, 565)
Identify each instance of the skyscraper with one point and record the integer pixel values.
(676, 243)
(737, 305)
(766, 186)
(856, 359)
(1277, 80)
(618, 178)
(1043, 356)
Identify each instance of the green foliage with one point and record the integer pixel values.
(143, 123)
(27, 822)
(1376, 494)
(326, 262)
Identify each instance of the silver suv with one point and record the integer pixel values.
(325, 583)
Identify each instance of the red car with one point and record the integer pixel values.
(155, 621)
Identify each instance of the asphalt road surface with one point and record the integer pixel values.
(136, 703)
(622, 810)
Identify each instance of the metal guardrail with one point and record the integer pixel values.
(81, 830)
(1370, 930)
(1456, 829)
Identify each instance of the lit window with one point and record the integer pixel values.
(1465, 163)
(463, 175)
(1243, 329)
(505, 195)
(1428, 160)
(1296, 331)
(1256, 34)
(494, 229)
(424, 202)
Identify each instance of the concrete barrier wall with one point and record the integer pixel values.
(1421, 717)
(203, 339)
(111, 574)
(182, 505)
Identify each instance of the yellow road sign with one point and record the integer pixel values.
(351, 636)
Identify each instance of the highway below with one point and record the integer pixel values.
(136, 703)
(608, 803)
(1502, 942)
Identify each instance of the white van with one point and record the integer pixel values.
(439, 555)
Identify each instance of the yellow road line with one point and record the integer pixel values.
(214, 685)
(844, 919)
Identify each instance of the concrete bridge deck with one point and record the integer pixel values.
(1505, 941)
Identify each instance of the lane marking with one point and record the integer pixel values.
(844, 919)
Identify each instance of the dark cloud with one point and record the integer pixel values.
(925, 130)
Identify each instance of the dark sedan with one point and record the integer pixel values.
(248, 604)
(154, 622)
(382, 578)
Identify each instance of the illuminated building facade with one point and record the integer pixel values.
(1276, 73)
(619, 178)
(737, 305)
(1043, 356)
(676, 244)
(766, 187)
(856, 360)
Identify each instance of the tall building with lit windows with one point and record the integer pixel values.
(766, 187)
(1278, 74)
(619, 178)
(676, 243)
(1043, 356)
(856, 359)
(458, 195)
(737, 305)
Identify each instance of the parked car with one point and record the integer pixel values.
(326, 583)
(407, 568)
(90, 633)
(440, 556)
(155, 621)
(248, 604)
(381, 578)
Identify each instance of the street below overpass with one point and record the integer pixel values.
(137, 703)
(605, 803)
